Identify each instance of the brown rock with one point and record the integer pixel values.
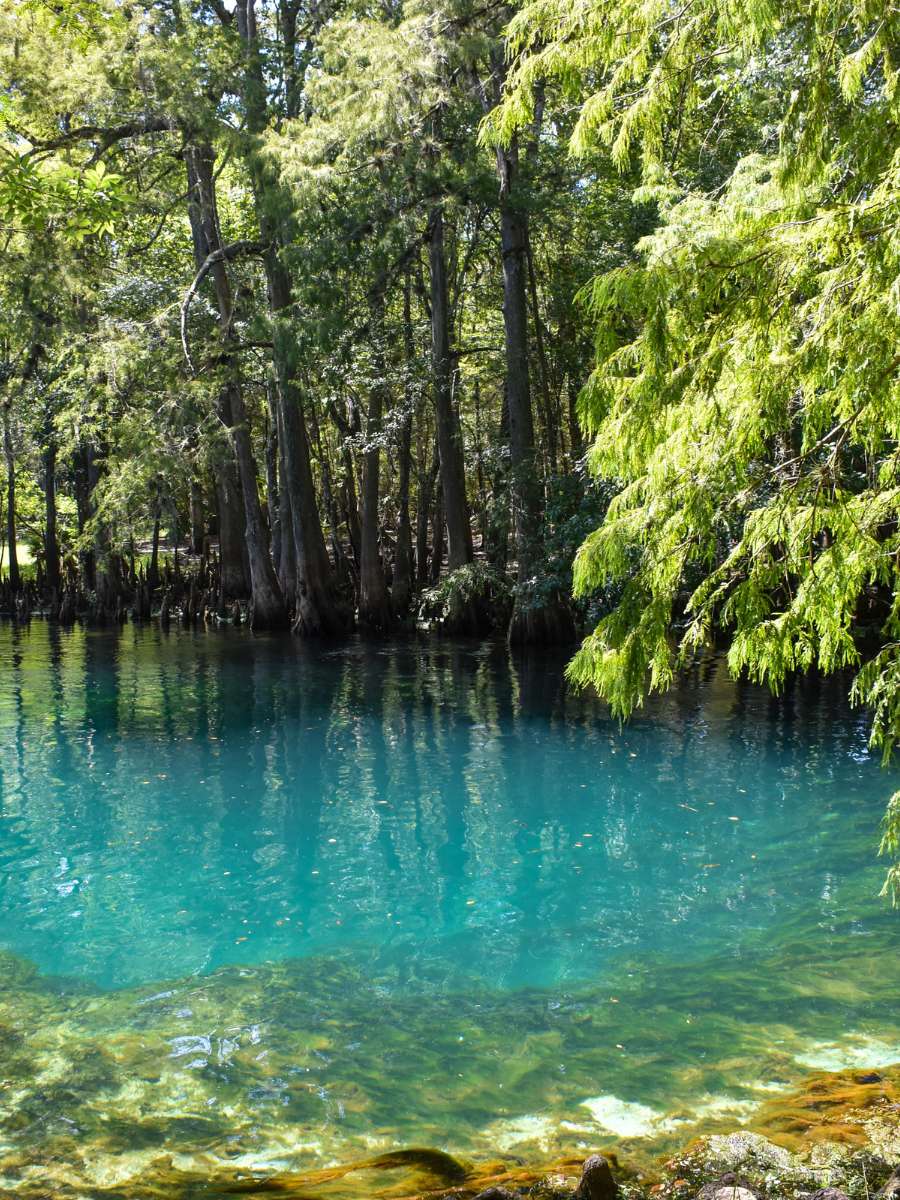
(891, 1190)
(597, 1182)
(497, 1193)
(729, 1186)
(735, 1192)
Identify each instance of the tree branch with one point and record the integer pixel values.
(107, 136)
(225, 254)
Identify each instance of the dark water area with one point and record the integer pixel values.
(281, 905)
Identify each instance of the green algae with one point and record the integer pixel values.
(259, 1073)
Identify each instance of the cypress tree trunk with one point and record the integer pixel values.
(197, 529)
(496, 543)
(575, 438)
(272, 499)
(401, 586)
(437, 534)
(153, 569)
(543, 619)
(318, 612)
(267, 608)
(343, 570)
(287, 556)
(234, 568)
(317, 608)
(374, 607)
(234, 565)
(14, 574)
(51, 541)
(546, 405)
(453, 484)
(349, 503)
(427, 483)
(85, 476)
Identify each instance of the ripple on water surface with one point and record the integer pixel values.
(292, 904)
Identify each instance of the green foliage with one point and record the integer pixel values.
(476, 583)
(79, 203)
(746, 393)
(574, 504)
(890, 844)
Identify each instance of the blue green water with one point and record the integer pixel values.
(326, 899)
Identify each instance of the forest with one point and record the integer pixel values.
(566, 320)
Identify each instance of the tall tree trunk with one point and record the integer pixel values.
(453, 483)
(346, 429)
(85, 475)
(317, 608)
(51, 540)
(318, 611)
(267, 607)
(14, 574)
(575, 438)
(343, 569)
(496, 545)
(272, 500)
(401, 586)
(287, 557)
(153, 569)
(197, 523)
(438, 526)
(427, 482)
(234, 566)
(231, 521)
(536, 617)
(546, 406)
(374, 606)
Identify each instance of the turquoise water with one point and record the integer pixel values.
(328, 899)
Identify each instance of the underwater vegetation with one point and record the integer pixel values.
(252, 1075)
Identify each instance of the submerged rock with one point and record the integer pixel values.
(16, 972)
(728, 1187)
(747, 1150)
(597, 1182)
(733, 1192)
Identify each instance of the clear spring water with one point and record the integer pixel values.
(288, 904)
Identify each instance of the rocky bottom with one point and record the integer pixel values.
(257, 1079)
(837, 1138)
